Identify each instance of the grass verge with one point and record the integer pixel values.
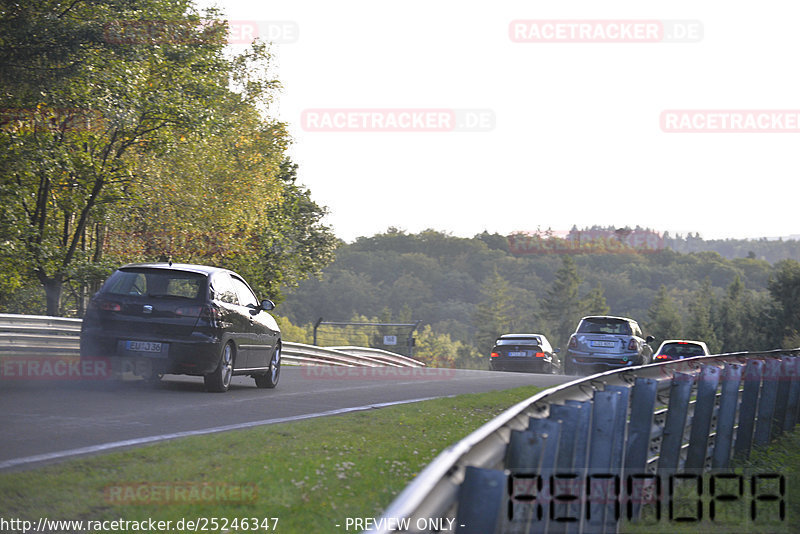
(311, 475)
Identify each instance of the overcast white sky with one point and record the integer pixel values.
(575, 134)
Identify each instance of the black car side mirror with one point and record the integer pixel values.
(267, 305)
(649, 339)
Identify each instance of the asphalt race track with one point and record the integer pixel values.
(43, 421)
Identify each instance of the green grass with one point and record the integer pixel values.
(311, 475)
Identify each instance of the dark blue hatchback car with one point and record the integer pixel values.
(162, 318)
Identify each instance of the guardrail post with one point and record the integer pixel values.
(620, 424)
(766, 403)
(551, 429)
(706, 398)
(316, 325)
(602, 480)
(726, 416)
(584, 423)
(530, 458)
(782, 398)
(566, 488)
(793, 401)
(643, 400)
(481, 497)
(747, 408)
(579, 460)
(675, 425)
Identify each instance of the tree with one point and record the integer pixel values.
(562, 305)
(784, 287)
(735, 329)
(595, 302)
(295, 243)
(664, 319)
(140, 139)
(436, 350)
(701, 319)
(65, 153)
(493, 316)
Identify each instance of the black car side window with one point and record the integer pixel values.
(246, 297)
(224, 289)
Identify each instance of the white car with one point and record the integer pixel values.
(677, 349)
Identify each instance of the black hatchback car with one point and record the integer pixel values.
(162, 318)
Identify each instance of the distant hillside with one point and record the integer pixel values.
(445, 282)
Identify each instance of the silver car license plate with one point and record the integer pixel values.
(143, 346)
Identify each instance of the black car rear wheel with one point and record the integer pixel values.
(270, 379)
(219, 380)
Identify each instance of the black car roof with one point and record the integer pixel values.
(203, 269)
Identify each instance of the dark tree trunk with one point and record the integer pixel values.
(53, 288)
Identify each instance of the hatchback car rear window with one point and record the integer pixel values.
(156, 283)
(604, 326)
(682, 349)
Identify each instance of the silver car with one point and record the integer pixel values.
(605, 342)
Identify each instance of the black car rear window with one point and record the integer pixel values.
(682, 349)
(604, 325)
(156, 283)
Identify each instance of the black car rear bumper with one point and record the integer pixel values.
(528, 365)
(195, 355)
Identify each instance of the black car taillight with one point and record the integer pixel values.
(105, 305)
(189, 311)
(211, 315)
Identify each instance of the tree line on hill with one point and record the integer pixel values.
(467, 291)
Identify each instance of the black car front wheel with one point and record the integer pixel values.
(270, 379)
(219, 380)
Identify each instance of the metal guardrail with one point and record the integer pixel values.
(44, 335)
(631, 427)
(388, 358)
